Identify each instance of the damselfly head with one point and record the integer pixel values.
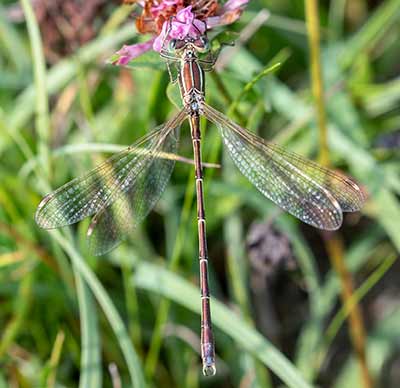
(198, 44)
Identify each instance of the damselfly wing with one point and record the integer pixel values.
(310, 192)
(119, 193)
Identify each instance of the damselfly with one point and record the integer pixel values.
(121, 191)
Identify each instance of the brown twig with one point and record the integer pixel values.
(335, 248)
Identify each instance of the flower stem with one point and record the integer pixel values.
(316, 77)
(333, 241)
(335, 248)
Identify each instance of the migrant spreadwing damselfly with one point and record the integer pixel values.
(121, 191)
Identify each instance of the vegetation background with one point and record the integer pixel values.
(132, 317)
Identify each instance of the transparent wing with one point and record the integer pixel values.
(306, 190)
(137, 196)
(89, 194)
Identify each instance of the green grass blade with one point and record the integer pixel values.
(157, 279)
(358, 295)
(91, 347)
(62, 73)
(13, 44)
(382, 344)
(116, 323)
(42, 122)
(377, 25)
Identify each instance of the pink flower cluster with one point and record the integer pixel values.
(183, 25)
(186, 21)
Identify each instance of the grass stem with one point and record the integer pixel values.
(316, 77)
(334, 243)
(39, 68)
(335, 248)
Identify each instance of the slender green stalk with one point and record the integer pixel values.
(90, 375)
(335, 248)
(132, 306)
(116, 19)
(336, 19)
(84, 94)
(250, 85)
(225, 94)
(61, 74)
(237, 275)
(358, 295)
(333, 241)
(316, 77)
(233, 233)
(55, 359)
(113, 317)
(90, 343)
(39, 69)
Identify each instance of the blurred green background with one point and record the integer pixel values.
(131, 318)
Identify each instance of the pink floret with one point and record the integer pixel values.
(182, 26)
(127, 53)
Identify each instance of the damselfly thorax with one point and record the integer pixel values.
(121, 191)
(191, 75)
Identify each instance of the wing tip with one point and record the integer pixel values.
(358, 190)
(331, 226)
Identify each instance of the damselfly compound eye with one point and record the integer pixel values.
(205, 43)
(172, 45)
(202, 44)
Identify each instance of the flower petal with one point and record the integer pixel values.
(185, 25)
(231, 12)
(185, 15)
(233, 5)
(127, 53)
(163, 6)
(159, 40)
(213, 21)
(197, 28)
